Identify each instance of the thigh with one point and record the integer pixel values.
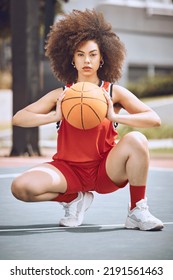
(72, 175)
(130, 150)
(104, 182)
(116, 163)
(40, 179)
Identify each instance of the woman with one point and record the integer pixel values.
(83, 48)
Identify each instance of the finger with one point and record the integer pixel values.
(61, 97)
(104, 90)
(107, 96)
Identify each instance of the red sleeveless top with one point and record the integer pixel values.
(77, 145)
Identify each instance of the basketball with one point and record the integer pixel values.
(84, 105)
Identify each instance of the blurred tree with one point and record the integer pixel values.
(47, 11)
(22, 20)
(4, 31)
(25, 65)
(4, 18)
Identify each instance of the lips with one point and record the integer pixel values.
(86, 68)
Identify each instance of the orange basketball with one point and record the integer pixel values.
(84, 105)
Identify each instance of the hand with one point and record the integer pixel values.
(110, 111)
(58, 112)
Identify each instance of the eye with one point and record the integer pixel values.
(93, 54)
(80, 54)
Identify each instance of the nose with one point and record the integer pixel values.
(87, 59)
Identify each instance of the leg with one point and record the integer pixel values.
(41, 183)
(129, 160)
(47, 183)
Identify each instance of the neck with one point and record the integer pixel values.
(95, 81)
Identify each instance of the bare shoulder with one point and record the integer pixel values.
(127, 100)
(54, 94)
(51, 97)
(120, 92)
(119, 95)
(45, 103)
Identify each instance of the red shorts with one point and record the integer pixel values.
(87, 176)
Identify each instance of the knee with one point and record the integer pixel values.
(19, 189)
(138, 141)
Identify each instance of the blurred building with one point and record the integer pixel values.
(146, 28)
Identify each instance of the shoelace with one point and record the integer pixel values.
(70, 210)
(145, 209)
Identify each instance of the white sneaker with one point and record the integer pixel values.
(141, 218)
(74, 211)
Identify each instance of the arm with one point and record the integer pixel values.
(41, 112)
(140, 115)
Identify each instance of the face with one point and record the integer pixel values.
(87, 58)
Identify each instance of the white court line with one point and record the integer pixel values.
(167, 169)
(13, 175)
(58, 228)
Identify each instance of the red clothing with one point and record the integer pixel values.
(81, 157)
(77, 145)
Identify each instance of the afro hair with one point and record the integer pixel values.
(75, 28)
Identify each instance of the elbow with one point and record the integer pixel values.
(157, 121)
(16, 120)
(154, 118)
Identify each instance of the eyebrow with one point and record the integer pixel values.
(89, 52)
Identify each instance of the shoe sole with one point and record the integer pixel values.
(131, 224)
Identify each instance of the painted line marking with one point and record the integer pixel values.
(167, 169)
(58, 228)
(13, 175)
